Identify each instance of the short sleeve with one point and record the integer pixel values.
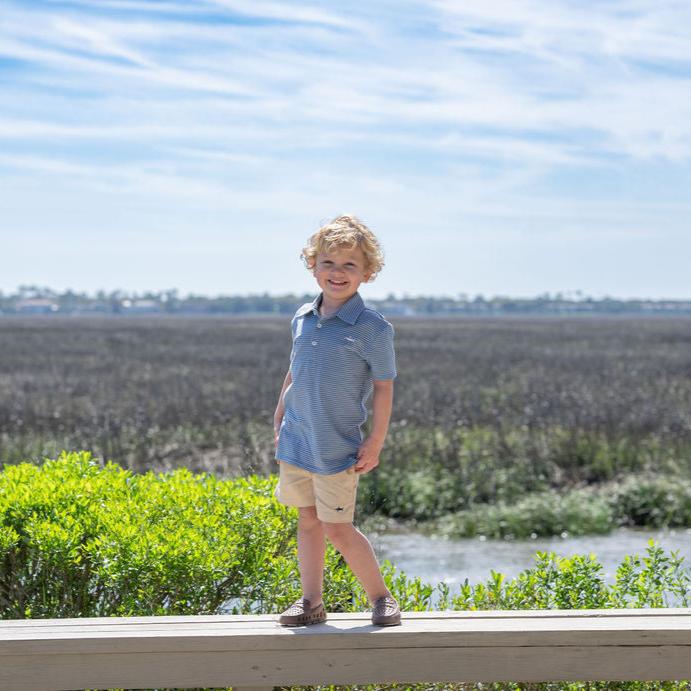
(293, 323)
(380, 354)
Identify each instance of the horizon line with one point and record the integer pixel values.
(567, 295)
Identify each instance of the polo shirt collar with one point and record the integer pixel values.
(348, 312)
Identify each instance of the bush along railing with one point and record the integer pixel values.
(80, 538)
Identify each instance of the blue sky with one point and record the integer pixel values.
(499, 147)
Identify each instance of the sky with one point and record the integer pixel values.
(500, 147)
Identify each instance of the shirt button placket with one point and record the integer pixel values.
(319, 326)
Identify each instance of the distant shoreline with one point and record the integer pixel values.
(661, 314)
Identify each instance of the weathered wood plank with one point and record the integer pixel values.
(444, 614)
(155, 670)
(429, 646)
(160, 634)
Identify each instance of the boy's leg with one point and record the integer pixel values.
(359, 555)
(335, 503)
(295, 488)
(311, 549)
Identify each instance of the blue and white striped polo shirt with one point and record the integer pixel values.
(333, 364)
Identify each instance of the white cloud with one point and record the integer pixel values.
(290, 12)
(476, 109)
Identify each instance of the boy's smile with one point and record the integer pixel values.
(339, 274)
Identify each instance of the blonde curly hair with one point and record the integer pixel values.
(345, 232)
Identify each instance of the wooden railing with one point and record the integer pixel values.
(254, 651)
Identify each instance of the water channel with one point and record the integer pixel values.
(438, 560)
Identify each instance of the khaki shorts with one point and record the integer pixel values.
(333, 495)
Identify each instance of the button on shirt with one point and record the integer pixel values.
(333, 364)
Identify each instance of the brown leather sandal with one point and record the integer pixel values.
(301, 613)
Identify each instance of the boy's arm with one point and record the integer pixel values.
(382, 403)
(280, 409)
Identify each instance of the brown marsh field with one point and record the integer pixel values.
(485, 409)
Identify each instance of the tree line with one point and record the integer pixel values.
(32, 299)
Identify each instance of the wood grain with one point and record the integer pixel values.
(197, 651)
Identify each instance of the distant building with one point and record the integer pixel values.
(140, 306)
(394, 309)
(36, 306)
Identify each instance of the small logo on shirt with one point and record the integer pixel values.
(348, 338)
(339, 508)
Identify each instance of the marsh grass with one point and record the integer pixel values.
(589, 396)
(487, 411)
(646, 500)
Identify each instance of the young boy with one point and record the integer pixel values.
(342, 352)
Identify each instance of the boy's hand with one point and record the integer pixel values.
(368, 456)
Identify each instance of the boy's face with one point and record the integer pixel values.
(340, 272)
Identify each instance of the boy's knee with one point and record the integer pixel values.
(338, 531)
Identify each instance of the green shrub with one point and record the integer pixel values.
(580, 512)
(655, 580)
(81, 539)
(636, 501)
(78, 538)
(652, 501)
